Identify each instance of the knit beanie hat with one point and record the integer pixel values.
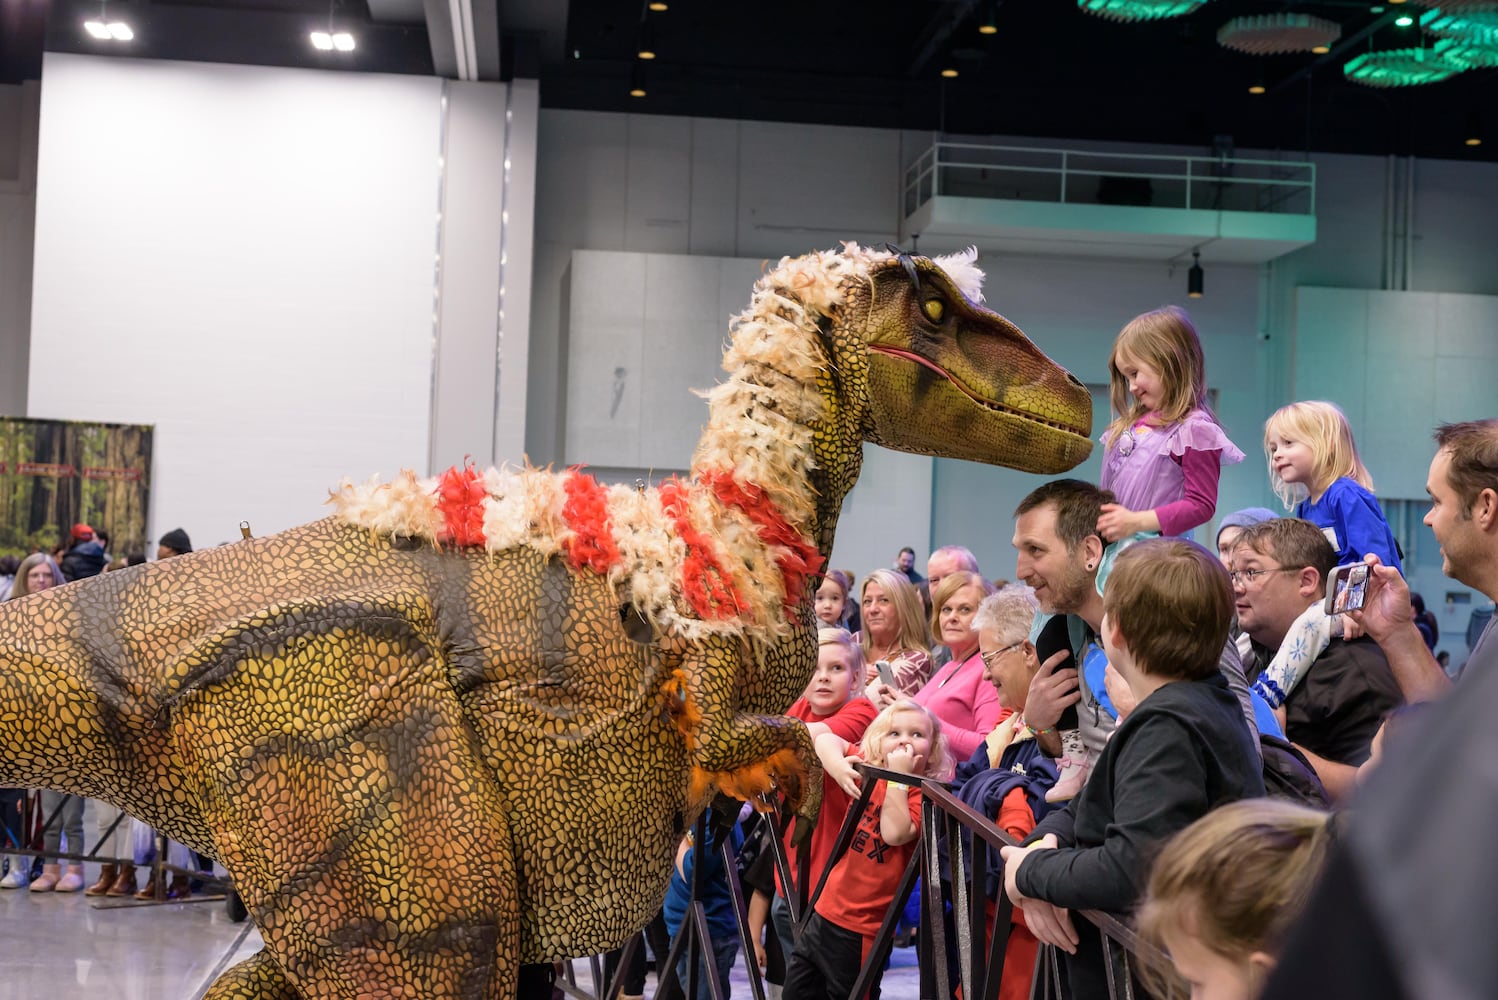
(1245, 517)
(177, 541)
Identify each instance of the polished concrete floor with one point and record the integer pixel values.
(71, 947)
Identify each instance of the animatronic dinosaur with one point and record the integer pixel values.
(461, 724)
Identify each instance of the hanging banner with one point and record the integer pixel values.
(57, 473)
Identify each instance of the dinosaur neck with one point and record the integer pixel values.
(778, 422)
(789, 437)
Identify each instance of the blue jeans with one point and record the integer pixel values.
(725, 950)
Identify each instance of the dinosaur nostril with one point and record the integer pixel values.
(1075, 381)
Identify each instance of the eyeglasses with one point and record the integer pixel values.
(1248, 577)
(988, 658)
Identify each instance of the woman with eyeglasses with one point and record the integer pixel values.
(1006, 778)
(958, 694)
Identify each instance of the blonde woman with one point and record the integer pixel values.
(894, 632)
(958, 694)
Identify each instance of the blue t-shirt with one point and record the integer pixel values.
(1351, 519)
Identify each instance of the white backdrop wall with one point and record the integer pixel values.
(242, 257)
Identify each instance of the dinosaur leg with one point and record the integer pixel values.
(256, 978)
(348, 801)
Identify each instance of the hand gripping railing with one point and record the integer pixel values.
(962, 882)
(980, 969)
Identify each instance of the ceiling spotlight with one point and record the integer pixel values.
(113, 31)
(1257, 88)
(637, 81)
(949, 73)
(646, 48)
(990, 23)
(1403, 21)
(343, 41)
(1321, 50)
(658, 6)
(1472, 141)
(322, 41)
(1194, 277)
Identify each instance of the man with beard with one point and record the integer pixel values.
(1058, 554)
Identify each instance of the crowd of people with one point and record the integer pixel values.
(56, 817)
(1123, 710)
(1170, 733)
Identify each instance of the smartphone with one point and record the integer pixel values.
(1347, 589)
(886, 673)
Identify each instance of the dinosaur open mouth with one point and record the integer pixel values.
(987, 404)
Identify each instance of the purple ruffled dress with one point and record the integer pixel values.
(1143, 467)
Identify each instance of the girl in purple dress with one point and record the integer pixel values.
(1161, 459)
(1164, 450)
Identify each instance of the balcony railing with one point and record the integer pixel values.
(1068, 176)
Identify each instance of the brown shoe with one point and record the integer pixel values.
(124, 883)
(107, 875)
(181, 887)
(149, 892)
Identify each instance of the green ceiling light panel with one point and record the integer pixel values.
(1469, 55)
(1400, 68)
(1472, 22)
(1139, 10)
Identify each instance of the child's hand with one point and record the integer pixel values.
(1117, 521)
(760, 958)
(842, 771)
(904, 759)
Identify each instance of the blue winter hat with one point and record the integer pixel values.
(1245, 517)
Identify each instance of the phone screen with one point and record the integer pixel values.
(1349, 589)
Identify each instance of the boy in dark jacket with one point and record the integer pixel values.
(1182, 751)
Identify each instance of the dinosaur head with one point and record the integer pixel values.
(946, 376)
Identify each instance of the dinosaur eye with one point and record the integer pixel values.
(934, 309)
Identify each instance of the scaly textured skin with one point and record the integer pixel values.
(425, 764)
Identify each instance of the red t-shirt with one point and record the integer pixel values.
(848, 723)
(863, 882)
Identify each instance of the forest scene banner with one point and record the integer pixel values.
(57, 473)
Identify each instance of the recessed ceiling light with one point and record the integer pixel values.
(1322, 50)
(1257, 88)
(658, 6)
(343, 41)
(988, 29)
(322, 40)
(637, 92)
(1473, 141)
(949, 73)
(120, 31)
(1404, 21)
(97, 28)
(646, 54)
